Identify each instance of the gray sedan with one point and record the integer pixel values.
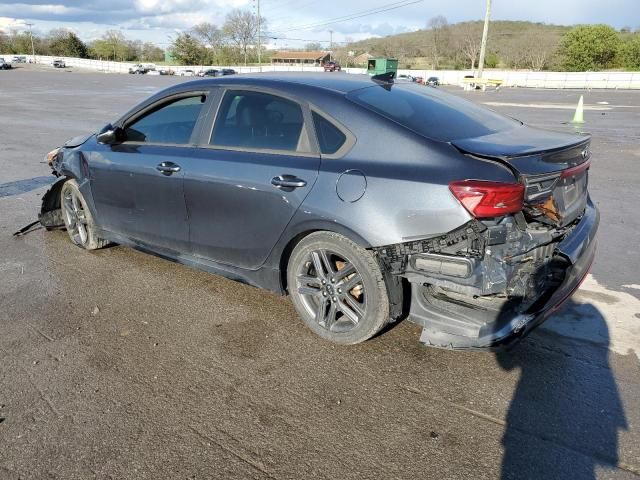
(367, 201)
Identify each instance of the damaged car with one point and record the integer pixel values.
(367, 201)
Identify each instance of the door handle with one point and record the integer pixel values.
(288, 181)
(167, 168)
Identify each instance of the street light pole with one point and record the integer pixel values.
(330, 45)
(33, 49)
(483, 45)
(259, 37)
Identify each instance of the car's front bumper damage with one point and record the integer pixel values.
(490, 295)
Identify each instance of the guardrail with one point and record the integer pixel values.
(508, 78)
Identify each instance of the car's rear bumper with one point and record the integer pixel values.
(578, 249)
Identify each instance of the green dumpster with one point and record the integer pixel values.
(382, 65)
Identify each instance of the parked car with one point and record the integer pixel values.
(432, 81)
(19, 59)
(153, 72)
(59, 64)
(166, 71)
(187, 73)
(406, 77)
(138, 69)
(366, 201)
(332, 67)
(4, 65)
(228, 71)
(210, 73)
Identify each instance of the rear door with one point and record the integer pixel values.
(137, 185)
(243, 187)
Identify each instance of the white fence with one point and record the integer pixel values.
(510, 78)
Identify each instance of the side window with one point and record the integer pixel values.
(171, 123)
(330, 137)
(258, 120)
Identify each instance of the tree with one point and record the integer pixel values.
(211, 36)
(313, 47)
(438, 29)
(513, 52)
(468, 41)
(21, 43)
(188, 50)
(66, 44)
(630, 52)
(116, 42)
(100, 49)
(113, 45)
(590, 47)
(151, 53)
(5, 44)
(241, 27)
(545, 47)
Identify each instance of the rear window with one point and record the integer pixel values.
(432, 113)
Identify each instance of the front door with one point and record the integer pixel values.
(138, 185)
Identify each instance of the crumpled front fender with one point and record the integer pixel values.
(50, 215)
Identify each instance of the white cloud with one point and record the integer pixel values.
(155, 19)
(8, 23)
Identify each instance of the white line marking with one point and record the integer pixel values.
(562, 106)
(600, 315)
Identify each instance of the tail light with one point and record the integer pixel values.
(488, 199)
(573, 171)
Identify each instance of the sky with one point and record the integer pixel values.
(293, 23)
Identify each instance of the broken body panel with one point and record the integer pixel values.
(489, 282)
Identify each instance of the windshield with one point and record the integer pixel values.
(430, 112)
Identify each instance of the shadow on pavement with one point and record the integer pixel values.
(23, 186)
(565, 414)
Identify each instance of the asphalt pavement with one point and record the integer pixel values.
(117, 364)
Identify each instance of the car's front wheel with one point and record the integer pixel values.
(77, 218)
(337, 288)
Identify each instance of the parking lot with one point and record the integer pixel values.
(117, 364)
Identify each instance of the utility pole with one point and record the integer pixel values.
(259, 37)
(330, 44)
(485, 32)
(33, 50)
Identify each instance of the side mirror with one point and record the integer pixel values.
(110, 135)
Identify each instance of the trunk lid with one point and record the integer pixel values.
(552, 165)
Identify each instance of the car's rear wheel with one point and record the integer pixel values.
(77, 218)
(337, 288)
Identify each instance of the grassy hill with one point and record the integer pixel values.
(511, 44)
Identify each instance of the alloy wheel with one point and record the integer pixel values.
(332, 290)
(75, 217)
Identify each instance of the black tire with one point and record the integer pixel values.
(347, 305)
(78, 219)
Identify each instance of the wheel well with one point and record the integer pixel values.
(50, 215)
(286, 254)
(398, 288)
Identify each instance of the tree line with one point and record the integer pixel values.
(513, 45)
(235, 41)
(204, 44)
(63, 43)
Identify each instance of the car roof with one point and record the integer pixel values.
(338, 82)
